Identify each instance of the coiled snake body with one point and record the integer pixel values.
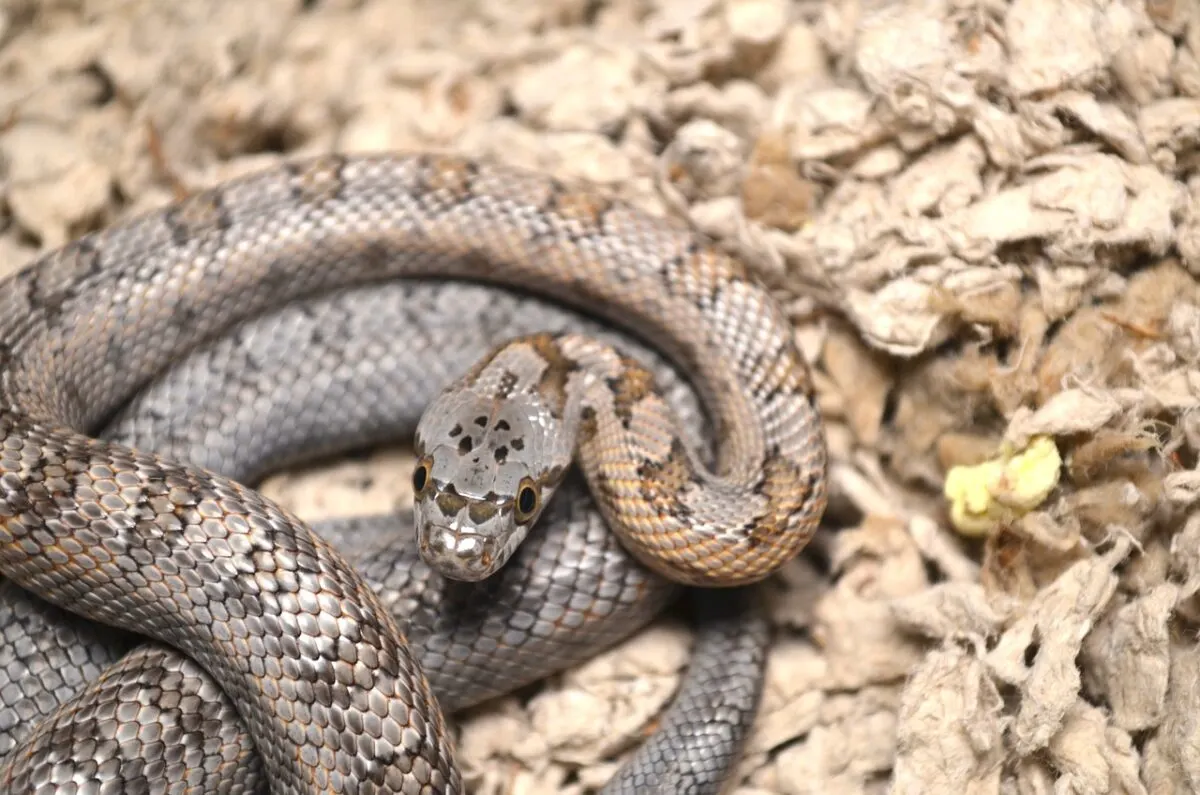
(307, 651)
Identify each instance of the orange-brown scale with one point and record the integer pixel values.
(632, 386)
(787, 487)
(553, 384)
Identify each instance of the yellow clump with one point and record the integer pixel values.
(1002, 489)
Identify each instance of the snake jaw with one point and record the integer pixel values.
(458, 553)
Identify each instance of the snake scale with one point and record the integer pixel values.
(317, 666)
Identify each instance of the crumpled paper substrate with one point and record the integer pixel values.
(983, 217)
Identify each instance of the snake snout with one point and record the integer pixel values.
(458, 554)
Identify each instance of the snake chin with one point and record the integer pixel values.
(461, 547)
(459, 553)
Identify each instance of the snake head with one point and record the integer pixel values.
(485, 470)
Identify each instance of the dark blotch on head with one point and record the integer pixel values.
(518, 444)
(455, 431)
(465, 445)
(503, 425)
(507, 381)
(481, 421)
(501, 454)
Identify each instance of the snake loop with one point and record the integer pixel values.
(314, 662)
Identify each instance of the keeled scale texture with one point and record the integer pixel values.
(304, 647)
(45, 654)
(291, 632)
(154, 722)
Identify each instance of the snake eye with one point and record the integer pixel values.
(527, 500)
(420, 477)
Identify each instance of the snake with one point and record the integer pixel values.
(312, 381)
(307, 651)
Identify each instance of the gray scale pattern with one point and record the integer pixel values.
(473, 641)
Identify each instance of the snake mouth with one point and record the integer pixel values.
(458, 554)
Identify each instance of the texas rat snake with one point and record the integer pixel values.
(310, 655)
